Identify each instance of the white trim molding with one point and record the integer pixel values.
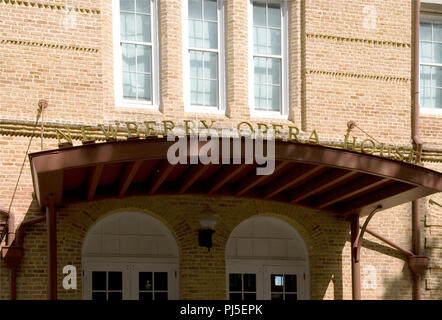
(284, 112)
(118, 78)
(221, 87)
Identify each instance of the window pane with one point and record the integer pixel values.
(277, 296)
(425, 98)
(144, 59)
(275, 41)
(235, 282)
(425, 31)
(129, 61)
(145, 296)
(196, 91)
(161, 296)
(275, 98)
(274, 15)
(115, 296)
(195, 34)
(425, 52)
(99, 296)
(129, 85)
(210, 87)
(210, 65)
(210, 11)
(438, 98)
(143, 28)
(127, 5)
(260, 70)
(145, 281)
(210, 35)
(277, 283)
(261, 97)
(235, 296)
(98, 280)
(127, 26)
(436, 77)
(437, 47)
(249, 296)
(425, 76)
(143, 6)
(115, 280)
(260, 40)
(196, 64)
(290, 283)
(195, 9)
(259, 14)
(160, 282)
(437, 32)
(249, 282)
(291, 297)
(274, 71)
(144, 86)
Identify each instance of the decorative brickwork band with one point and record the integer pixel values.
(50, 6)
(359, 40)
(47, 45)
(358, 76)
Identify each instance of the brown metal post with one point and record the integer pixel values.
(418, 143)
(51, 225)
(14, 283)
(355, 264)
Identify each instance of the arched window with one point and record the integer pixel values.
(130, 256)
(266, 259)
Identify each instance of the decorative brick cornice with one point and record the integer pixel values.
(50, 6)
(358, 75)
(48, 45)
(359, 40)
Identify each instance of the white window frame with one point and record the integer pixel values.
(426, 17)
(188, 107)
(118, 73)
(284, 112)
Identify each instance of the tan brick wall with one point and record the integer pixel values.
(339, 71)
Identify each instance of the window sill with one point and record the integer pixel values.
(136, 105)
(268, 114)
(431, 111)
(208, 110)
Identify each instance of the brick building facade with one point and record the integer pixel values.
(346, 60)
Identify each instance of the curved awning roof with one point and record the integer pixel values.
(328, 179)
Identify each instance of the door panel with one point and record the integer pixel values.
(283, 283)
(154, 281)
(106, 281)
(134, 281)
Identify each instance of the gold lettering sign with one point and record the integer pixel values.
(146, 129)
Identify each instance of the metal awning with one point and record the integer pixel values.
(332, 180)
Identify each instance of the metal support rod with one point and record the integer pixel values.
(355, 265)
(408, 253)
(360, 236)
(51, 225)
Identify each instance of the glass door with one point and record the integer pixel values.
(106, 282)
(131, 281)
(283, 283)
(154, 282)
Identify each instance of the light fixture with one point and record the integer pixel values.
(207, 223)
